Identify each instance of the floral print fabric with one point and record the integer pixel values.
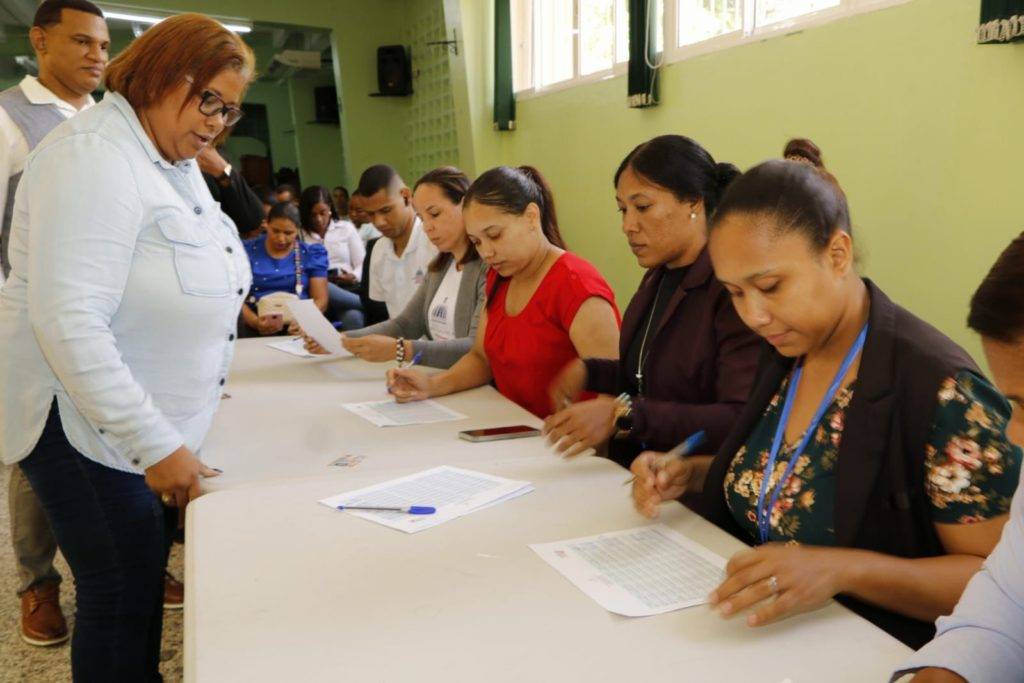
(971, 468)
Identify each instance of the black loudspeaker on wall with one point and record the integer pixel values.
(394, 70)
(326, 102)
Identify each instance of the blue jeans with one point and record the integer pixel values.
(113, 532)
(345, 307)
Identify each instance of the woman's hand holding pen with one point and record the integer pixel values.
(657, 479)
(410, 384)
(581, 426)
(653, 485)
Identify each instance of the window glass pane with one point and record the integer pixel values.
(522, 44)
(658, 7)
(555, 34)
(621, 30)
(771, 11)
(703, 19)
(597, 35)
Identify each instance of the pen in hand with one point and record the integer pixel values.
(688, 446)
(415, 361)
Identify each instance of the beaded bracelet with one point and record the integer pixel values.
(400, 350)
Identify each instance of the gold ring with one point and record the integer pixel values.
(167, 500)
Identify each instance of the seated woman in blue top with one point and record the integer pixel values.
(282, 264)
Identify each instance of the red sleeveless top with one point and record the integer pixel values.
(527, 351)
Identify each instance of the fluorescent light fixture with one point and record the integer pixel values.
(151, 19)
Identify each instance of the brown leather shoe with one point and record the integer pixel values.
(174, 592)
(42, 622)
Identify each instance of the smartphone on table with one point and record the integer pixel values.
(499, 433)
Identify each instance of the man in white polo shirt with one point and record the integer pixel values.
(70, 39)
(399, 262)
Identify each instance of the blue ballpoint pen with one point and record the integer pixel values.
(409, 509)
(688, 446)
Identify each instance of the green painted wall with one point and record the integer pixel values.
(320, 157)
(918, 122)
(282, 127)
(374, 128)
(430, 131)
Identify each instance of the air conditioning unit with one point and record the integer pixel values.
(298, 59)
(287, 63)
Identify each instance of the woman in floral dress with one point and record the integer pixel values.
(889, 473)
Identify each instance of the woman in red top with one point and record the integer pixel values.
(545, 306)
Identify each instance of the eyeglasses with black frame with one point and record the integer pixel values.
(211, 104)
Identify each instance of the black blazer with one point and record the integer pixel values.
(881, 503)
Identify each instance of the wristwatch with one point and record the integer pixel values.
(622, 416)
(225, 177)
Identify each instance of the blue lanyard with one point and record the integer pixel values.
(764, 512)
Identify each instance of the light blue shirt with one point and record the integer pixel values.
(125, 289)
(983, 640)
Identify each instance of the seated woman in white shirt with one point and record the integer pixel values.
(345, 254)
(440, 320)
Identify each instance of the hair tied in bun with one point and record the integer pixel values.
(805, 151)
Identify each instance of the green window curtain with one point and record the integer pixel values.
(643, 80)
(1002, 21)
(504, 97)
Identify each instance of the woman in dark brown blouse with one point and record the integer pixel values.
(686, 361)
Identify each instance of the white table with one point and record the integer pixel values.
(284, 419)
(281, 588)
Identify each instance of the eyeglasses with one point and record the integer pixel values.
(211, 104)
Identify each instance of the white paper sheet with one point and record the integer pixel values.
(637, 572)
(390, 414)
(293, 345)
(314, 324)
(453, 491)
